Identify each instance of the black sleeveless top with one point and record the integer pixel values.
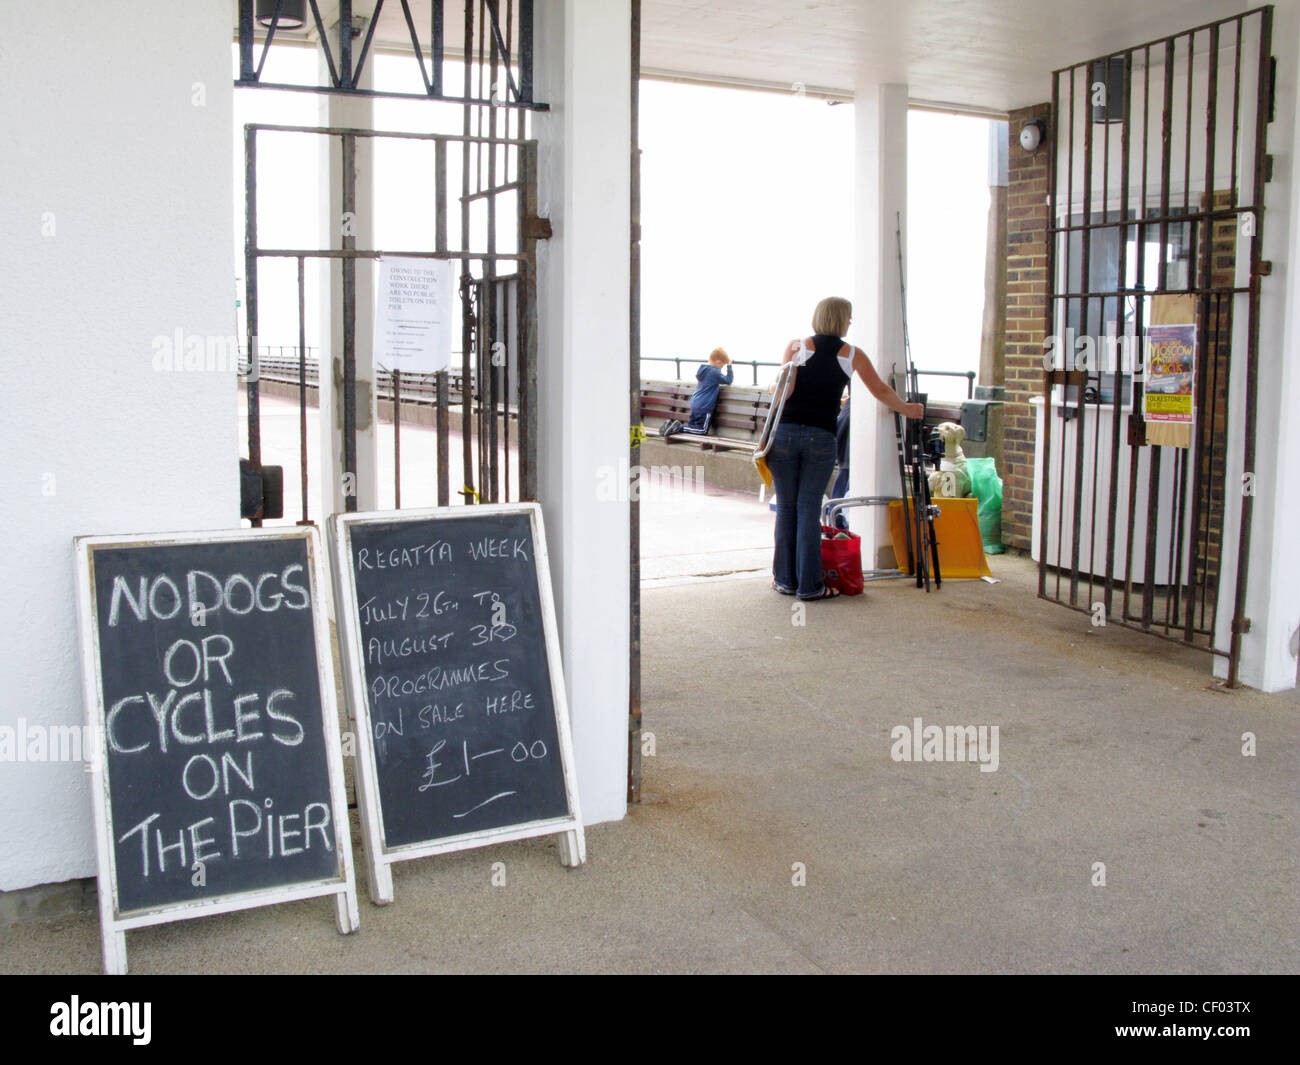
(818, 385)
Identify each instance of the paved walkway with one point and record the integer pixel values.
(778, 834)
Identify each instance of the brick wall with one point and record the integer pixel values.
(1026, 252)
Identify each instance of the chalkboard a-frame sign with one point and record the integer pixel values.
(208, 679)
(454, 681)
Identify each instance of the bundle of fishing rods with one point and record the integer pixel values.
(919, 511)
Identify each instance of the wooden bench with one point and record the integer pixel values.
(737, 420)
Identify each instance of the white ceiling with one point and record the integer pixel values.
(993, 55)
(986, 54)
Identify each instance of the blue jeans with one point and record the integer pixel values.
(801, 459)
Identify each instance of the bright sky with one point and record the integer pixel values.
(747, 215)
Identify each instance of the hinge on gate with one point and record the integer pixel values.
(1265, 268)
(1241, 625)
(537, 228)
(1268, 168)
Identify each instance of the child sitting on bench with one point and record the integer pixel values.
(711, 378)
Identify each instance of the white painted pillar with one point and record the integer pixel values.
(584, 73)
(880, 117)
(1269, 650)
(358, 113)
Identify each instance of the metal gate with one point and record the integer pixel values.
(490, 230)
(1155, 200)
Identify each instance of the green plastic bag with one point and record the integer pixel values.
(986, 486)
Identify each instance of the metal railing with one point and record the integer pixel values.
(754, 364)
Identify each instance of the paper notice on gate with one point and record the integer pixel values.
(414, 314)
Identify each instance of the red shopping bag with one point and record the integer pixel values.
(842, 560)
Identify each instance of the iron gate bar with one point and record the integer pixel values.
(1197, 558)
(1210, 345)
(1049, 329)
(349, 267)
(529, 235)
(436, 14)
(1263, 108)
(397, 439)
(1117, 389)
(302, 384)
(1085, 320)
(252, 386)
(634, 772)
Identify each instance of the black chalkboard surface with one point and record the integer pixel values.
(454, 678)
(220, 768)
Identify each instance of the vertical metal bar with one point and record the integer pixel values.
(349, 267)
(1218, 446)
(396, 378)
(1252, 346)
(1102, 348)
(1187, 133)
(1236, 105)
(1139, 318)
(444, 439)
(1049, 328)
(436, 15)
(466, 333)
(1165, 151)
(302, 383)
(634, 773)
(1202, 444)
(527, 374)
(1085, 319)
(526, 50)
(252, 385)
(440, 195)
(1153, 472)
(509, 303)
(442, 391)
(488, 336)
(1117, 389)
(345, 44)
(245, 40)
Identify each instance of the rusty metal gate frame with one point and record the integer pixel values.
(496, 307)
(1184, 607)
(498, 285)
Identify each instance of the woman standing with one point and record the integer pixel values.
(802, 454)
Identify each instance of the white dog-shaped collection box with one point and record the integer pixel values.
(950, 480)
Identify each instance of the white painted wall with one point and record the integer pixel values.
(584, 73)
(880, 159)
(1273, 589)
(108, 154)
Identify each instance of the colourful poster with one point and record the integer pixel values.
(1171, 373)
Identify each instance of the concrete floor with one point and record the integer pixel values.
(772, 752)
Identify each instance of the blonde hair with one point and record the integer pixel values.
(718, 353)
(832, 316)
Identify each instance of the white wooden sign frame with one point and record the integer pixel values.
(114, 925)
(379, 856)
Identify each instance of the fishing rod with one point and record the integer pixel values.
(923, 509)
